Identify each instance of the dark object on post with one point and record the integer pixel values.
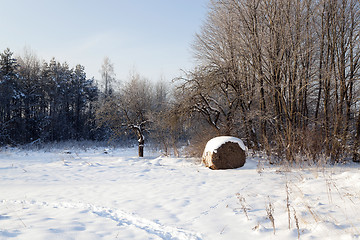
(228, 153)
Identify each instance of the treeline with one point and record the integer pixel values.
(46, 101)
(282, 74)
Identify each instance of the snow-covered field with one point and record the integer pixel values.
(92, 195)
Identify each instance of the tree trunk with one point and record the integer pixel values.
(140, 137)
(357, 140)
(141, 147)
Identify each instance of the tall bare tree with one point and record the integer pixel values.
(107, 76)
(288, 69)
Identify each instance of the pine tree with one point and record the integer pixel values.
(10, 111)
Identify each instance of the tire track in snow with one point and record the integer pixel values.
(121, 217)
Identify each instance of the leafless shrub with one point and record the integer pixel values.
(288, 203)
(198, 142)
(260, 167)
(256, 227)
(243, 204)
(297, 223)
(313, 214)
(270, 214)
(328, 189)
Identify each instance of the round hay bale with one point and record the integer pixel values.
(224, 153)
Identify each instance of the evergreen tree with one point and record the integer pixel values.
(10, 110)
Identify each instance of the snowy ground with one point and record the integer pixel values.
(91, 195)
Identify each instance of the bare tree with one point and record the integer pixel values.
(107, 76)
(221, 88)
(285, 71)
(128, 109)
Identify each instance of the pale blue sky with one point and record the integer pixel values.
(152, 36)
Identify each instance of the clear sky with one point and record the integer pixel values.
(151, 36)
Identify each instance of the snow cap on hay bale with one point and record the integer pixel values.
(224, 152)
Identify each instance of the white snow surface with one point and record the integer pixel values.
(87, 194)
(213, 144)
